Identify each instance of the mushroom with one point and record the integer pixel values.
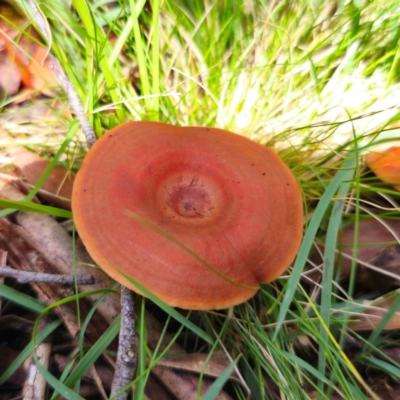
(386, 166)
(217, 213)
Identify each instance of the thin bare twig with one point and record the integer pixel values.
(35, 385)
(98, 382)
(3, 261)
(27, 277)
(126, 358)
(69, 89)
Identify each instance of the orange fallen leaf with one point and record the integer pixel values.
(30, 58)
(10, 77)
(386, 165)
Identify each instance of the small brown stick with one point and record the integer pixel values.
(3, 261)
(35, 385)
(126, 359)
(27, 277)
(69, 89)
(98, 382)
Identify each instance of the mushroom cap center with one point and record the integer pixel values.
(190, 201)
(188, 195)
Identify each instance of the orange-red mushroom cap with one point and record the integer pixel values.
(231, 201)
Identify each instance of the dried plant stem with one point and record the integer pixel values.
(98, 382)
(3, 260)
(35, 385)
(69, 89)
(126, 358)
(27, 277)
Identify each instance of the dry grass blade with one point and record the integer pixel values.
(35, 386)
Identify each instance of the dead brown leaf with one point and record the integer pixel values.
(373, 236)
(181, 385)
(56, 190)
(184, 385)
(47, 237)
(23, 257)
(196, 363)
(369, 319)
(38, 243)
(386, 276)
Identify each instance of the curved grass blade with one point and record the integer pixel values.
(219, 383)
(157, 229)
(22, 299)
(22, 205)
(55, 383)
(384, 366)
(13, 205)
(24, 354)
(309, 236)
(169, 310)
(94, 352)
(329, 257)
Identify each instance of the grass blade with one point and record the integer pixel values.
(309, 236)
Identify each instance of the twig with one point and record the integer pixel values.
(3, 261)
(35, 385)
(69, 89)
(27, 277)
(126, 358)
(98, 382)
